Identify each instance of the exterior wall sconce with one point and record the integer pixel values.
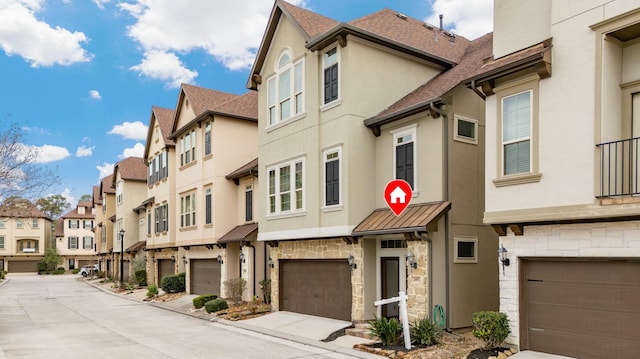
(352, 262)
(173, 258)
(220, 259)
(502, 255)
(411, 260)
(270, 263)
(154, 260)
(242, 258)
(184, 260)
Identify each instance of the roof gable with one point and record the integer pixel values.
(164, 118)
(131, 168)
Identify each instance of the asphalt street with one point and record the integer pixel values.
(62, 317)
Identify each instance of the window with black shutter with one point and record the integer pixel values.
(332, 179)
(404, 162)
(330, 75)
(248, 204)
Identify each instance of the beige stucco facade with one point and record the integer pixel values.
(24, 239)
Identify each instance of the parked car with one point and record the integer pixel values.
(89, 269)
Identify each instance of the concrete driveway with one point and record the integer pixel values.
(528, 354)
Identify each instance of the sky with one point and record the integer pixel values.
(80, 76)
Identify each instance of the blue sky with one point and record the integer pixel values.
(80, 77)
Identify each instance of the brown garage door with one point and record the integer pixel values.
(205, 276)
(316, 287)
(583, 309)
(23, 266)
(165, 267)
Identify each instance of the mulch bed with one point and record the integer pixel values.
(485, 354)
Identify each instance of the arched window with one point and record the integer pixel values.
(285, 89)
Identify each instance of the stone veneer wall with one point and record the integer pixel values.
(607, 239)
(418, 282)
(322, 249)
(202, 252)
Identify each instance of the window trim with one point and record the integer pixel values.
(273, 85)
(208, 205)
(401, 132)
(277, 194)
(528, 83)
(457, 258)
(192, 213)
(324, 68)
(325, 153)
(458, 137)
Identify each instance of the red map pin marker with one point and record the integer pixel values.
(397, 194)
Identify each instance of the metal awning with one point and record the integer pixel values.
(136, 247)
(416, 217)
(243, 232)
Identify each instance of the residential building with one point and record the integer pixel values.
(25, 233)
(104, 199)
(129, 180)
(215, 133)
(160, 231)
(343, 109)
(76, 245)
(562, 97)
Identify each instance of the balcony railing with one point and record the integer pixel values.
(619, 170)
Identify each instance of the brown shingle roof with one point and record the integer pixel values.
(416, 217)
(244, 106)
(165, 118)
(106, 185)
(202, 99)
(419, 99)
(20, 208)
(244, 232)
(76, 215)
(308, 21)
(132, 169)
(96, 195)
(250, 168)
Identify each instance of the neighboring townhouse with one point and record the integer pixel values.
(215, 133)
(129, 180)
(255, 260)
(25, 234)
(105, 209)
(563, 119)
(77, 245)
(160, 231)
(344, 108)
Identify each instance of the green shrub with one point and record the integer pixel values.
(234, 288)
(491, 327)
(425, 333)
(100, 274)
(75, 271)
(152, 291)
(265, 285)
(199, 301)
(141, 277)
(386, 329)
(215, 305)
(173, 283)
(2, 274)
(42, 267)
(59, 270)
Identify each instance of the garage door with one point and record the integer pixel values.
(165, 267)
(583, 309)
(23, 266)
(316, 287)
(205, 276)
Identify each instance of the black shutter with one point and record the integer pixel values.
(248, 206)
(404, 163)
(332, 185)
(331, 83)
(207, 213)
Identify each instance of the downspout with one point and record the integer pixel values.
(425, 236)
(478, 92)
(445, 197)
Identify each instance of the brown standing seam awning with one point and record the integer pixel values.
(136, 247)
(240, 233)
(416, 217)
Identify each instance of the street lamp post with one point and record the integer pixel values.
(121, 256)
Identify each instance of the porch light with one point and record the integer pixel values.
(351, 262)
(270, 262)
(242, 258)
(184, 259)
(502, 255)
(220, 259)
(411, 260)
(173, 258)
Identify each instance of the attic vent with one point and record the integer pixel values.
(428, 26)
(401, 15)
(452, 37)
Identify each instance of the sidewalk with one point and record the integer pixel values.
(299, 328)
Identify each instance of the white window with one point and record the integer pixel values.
(465, 130)
(207, 138)
(516, 133)
(87, 242)
(207, 206)
(285, 90)
(188, 147)
(74, 223)
(188, 210)
(332, 177)
(88, 224)
(19, 223)
(80, 210)
(119, 197)
(466, 249)
(34, 223)
(73, 242)
(286, 187)
(404, 155)
(330, 76)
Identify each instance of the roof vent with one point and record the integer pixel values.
(451, 36)
(401, 15)
(428, 26)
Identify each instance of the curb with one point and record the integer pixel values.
(294, 338)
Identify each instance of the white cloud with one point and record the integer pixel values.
(84, 151)
(100, 3)
(165, 66)
(470, 19)
(23, 34)
(233, 32)
(130, 130)
(136, 151)
(71, 199)
(44, 153)
(94, 94)
(105, 169)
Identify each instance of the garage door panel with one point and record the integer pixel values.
(316, 287)
(205, 276)
(165, 267)
(585, 309)
(23, 266)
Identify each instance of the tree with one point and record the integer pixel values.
(53, 205)
(20, 172)
(51, 258)
(86, 198)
